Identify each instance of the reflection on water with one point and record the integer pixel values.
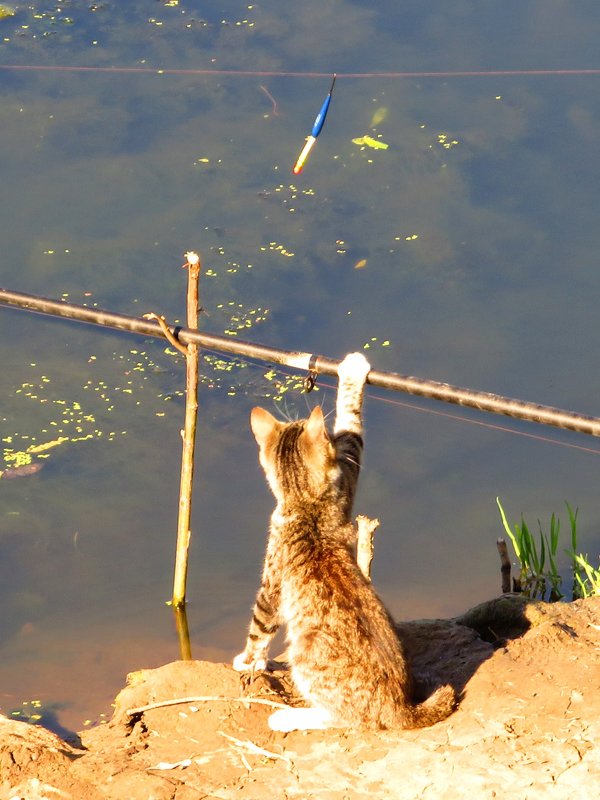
(464, 250)
(183, 633)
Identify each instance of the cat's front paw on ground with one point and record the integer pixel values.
(354, 366)
(299, 719)
(242, 664)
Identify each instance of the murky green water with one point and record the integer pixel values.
(465, 251)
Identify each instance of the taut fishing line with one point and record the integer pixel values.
(499, 73)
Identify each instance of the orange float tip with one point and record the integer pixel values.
(303, 155)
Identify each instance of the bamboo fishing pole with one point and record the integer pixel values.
(310, 362)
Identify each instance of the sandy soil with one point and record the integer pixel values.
(527, 726)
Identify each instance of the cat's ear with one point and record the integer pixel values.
(315, 425)
(263, 425)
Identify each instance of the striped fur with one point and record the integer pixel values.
(344, 655)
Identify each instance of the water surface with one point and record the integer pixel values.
(466, 251)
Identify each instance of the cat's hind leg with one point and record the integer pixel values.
(300, 719)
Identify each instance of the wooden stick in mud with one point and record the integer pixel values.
(504, 565)
(183, 633)
(188, 435)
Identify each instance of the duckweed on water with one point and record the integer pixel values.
(42, 421)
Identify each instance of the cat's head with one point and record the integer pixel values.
(298, 457)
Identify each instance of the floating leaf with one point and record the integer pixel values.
(40, 448)
(368, 141)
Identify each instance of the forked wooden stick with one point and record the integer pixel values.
(188, 435)
(364, 545)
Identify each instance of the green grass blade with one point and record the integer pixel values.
(533, 559)
(573, 524)
(554, 533)
(543, 548)
(511, 535)
(583, 590)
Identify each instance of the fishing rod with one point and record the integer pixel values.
(311, 363)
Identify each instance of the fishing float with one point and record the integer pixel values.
(316, 130)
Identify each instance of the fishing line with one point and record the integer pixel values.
(502, 428)
(499, 73)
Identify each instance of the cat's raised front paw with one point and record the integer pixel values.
(354, 366)
(241, 665)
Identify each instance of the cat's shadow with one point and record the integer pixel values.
(440, 651)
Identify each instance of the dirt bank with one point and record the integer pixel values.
(527, 726)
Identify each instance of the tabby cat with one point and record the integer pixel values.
(345, 657)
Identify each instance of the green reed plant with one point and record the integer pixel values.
(537, 558)
(586, 577)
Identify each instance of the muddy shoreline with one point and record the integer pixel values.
(527, 725)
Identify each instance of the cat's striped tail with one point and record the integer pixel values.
(436, 708)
